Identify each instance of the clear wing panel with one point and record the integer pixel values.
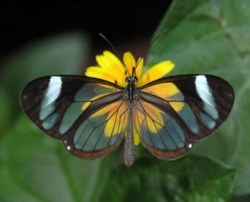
(159, 132)
(100, 132)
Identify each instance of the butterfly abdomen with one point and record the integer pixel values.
(129, 146)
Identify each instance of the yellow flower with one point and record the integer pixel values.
(112, 69)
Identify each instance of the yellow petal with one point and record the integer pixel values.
(129, 61)
(136, 137)
(157, 72)
(163, 90)
(105, 110)
(102, 73)
(110, 62)
(114, 125)
(85, 105)
(99, 73)
(177, 106)
(152, 115)
(110, 69)
(139, 68)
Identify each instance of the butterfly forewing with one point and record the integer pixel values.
(88, 114)
(172, 113)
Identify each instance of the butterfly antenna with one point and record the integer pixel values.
(113, 49)
(150, 45)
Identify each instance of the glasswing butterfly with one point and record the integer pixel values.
(92, 116)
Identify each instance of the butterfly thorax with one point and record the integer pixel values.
(131, 89)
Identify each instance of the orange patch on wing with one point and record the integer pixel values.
(96, 154)
(168, 154)
(91, 155)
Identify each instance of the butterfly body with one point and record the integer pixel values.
(129, 145)
(131, 98)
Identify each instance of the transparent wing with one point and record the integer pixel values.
(172, 113)
(88, 114)
(159, 132)
(100, 132)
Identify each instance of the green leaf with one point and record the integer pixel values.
(5, 121)
(181, 180)
(56, 55)
(212, 37)
(35, 167)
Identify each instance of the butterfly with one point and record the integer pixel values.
(93, 114)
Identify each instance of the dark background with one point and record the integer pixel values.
(122, 23)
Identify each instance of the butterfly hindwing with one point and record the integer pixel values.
(88, 114)
(172, 113)
(159, 132)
